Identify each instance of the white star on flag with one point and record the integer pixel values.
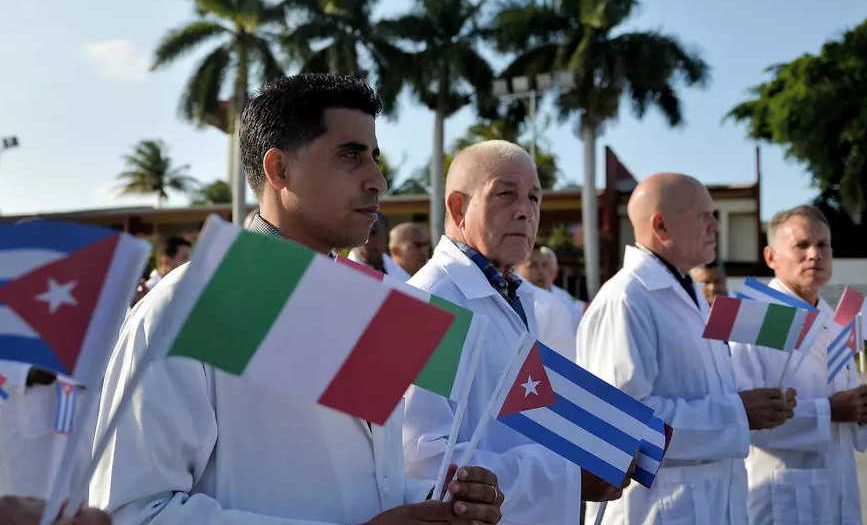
(530, 386)
(57, 295)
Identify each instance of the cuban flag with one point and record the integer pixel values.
(756, 290)
(652, 450)
(64, 412)
(3, 394)
(841, 350)
(64, 289)
(575, 414)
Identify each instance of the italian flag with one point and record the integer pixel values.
(440, 375)
(279, 314)
(755, 322)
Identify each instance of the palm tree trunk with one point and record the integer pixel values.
(589, 212)
(437, 177)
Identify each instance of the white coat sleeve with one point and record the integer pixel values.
(540, 487)
(810, 427)
(618, 341)
(162, 445)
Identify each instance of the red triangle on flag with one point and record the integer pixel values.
(57, 300)
(531, 389)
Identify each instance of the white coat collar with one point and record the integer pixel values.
(468, 277)
(653, 275)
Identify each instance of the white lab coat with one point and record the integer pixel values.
(202, 446)
(540, 487)
(554, 321)
(30, 449)
(643, 333)
(802, 472)
(576, 307)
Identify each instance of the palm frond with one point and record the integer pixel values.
(201, 96)
(181, 41)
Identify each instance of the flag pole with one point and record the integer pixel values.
(859, 343)
(461, 408)
(600, 512)
(497, 396)
(785, 369)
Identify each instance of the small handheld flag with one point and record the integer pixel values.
(652, 450)
(754, 322)
(65, 408)
(575, 414)
(756, 290)
(841, 350)
(3, 394)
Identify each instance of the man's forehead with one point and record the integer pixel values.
(801, 227)
(350, 125)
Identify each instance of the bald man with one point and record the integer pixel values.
(643, 333)
(492, 203)
(409, 245)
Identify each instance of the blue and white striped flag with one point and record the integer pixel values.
(587, 421)
(841, 350)
(652, 450)
(64, 411)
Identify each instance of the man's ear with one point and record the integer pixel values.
(770, 256)
(456, 206)
(275, 165)
(658, 227)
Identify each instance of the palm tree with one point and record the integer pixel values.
(217, 192)
(579, 36)
(445, 73)
(338, 36)
(150, 170)
(244, 32)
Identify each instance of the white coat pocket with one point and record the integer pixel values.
(800, 497)
(686, 504)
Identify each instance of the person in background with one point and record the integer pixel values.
(409, 244)
(804, 471)
(712, 279)
(576, 307)
(553, 318)
(373, 252)
(174, 251)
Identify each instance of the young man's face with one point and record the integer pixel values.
(334, 183)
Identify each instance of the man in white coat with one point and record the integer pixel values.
(553, 317)
(576, 307)
(492, 202)
(643, 333)
(804, 471)
(201, 446)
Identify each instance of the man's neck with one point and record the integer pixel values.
(289, 230)
(810, 295)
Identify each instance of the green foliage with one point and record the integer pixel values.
(217, 192)
(150, 170)
(816, 108)
(242, 32)
(582, 36)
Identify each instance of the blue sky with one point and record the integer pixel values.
(77, 92)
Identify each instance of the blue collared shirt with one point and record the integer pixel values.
(505, 284)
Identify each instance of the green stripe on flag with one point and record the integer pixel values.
(270, 266)
(438, 375)
(775, 328)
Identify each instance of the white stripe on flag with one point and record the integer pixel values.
(795, 328)
(12, 324)
(279, 360)
(580, 437)
(598, 407)
(748, 322)
(17, 262)
(647, 463)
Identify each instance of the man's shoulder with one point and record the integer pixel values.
(433, 279)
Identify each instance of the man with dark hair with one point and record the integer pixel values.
(201, 446)
(174, 251)
(712, 279)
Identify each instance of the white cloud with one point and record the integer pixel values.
(117, 59)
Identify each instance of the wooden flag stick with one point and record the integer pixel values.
(859, 343)
(600, 513)
(461, 409)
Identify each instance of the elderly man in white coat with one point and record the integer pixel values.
(803, 473)
(553, 317)
(201, 446)
(492, 202)
(643, 333)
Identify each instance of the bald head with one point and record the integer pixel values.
(673, 215)
(409, 244)
(492, 199)
(474, 165)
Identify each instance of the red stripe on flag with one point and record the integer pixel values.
(360, 267)
(808, 323)
(849, 306)
(722, 318)
(388, 356)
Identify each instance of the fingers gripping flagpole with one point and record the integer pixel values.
(476, 348)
